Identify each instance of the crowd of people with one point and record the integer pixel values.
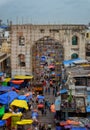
(42, 105)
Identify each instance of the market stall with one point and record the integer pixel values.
(11, 119)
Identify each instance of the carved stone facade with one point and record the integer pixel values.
(24, 37)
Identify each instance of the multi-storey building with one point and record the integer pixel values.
(32, 45)
(87, 35)
(5, 49)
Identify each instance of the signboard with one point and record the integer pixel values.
(80, 104)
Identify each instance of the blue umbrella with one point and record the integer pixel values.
(40, 97)
(63, 91)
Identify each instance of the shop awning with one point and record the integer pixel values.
(23, 77)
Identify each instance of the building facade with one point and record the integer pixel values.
(87, 35)
(5, 50)
(69, 39)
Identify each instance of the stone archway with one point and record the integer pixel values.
(47, 52)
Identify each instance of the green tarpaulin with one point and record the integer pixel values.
(2, 111)
(4, 83)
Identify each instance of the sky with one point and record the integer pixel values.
(45, 11)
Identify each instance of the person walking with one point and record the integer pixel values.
(42, 111)
(49, 90)
(45, 112)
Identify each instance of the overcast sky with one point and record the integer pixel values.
(46, 11)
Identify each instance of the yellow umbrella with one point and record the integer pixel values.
(20, 104)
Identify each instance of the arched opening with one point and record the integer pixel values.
(47, 56)
(74, 56)
(21, 60)
(74, 40)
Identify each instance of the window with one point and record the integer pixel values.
(74, 56)
(74, 40)
(87, 35)
(21, 59)
(54, 30)
(88, 54)
(42, 30)
(21, 41)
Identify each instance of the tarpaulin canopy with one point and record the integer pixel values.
(23, 97)
(5, 88)
(3, 26)
(2, 111)
(23, 77)
(7, 79)
(17, 81)
(25, 122)
(2, 123)
(8, 97)
(70, 62)
(87, 108)
(62, 91)
(9, 114)
(20, 104)
(80, 61)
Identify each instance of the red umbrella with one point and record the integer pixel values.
(51, 66)
(40, 106)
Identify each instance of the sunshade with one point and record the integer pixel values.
(7, 79)
(62, 91)
(8, 115)
(70, 62)
(20, 104)
(2, 111)
(5, 88)
(17, 81)
(25, 122)
(2, 123)
(8, 97)
(23, 77)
